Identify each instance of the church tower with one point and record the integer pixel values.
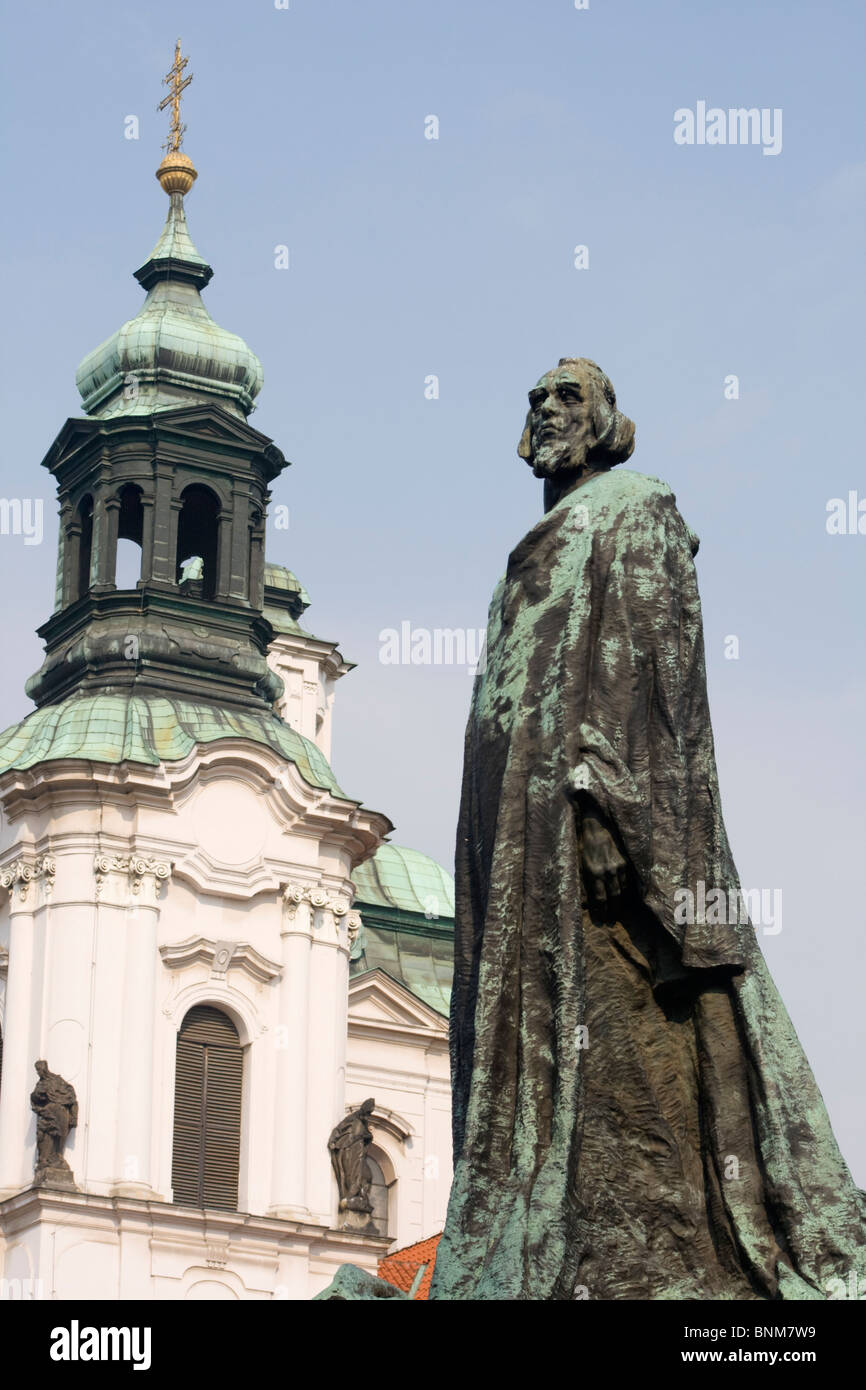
(176, 856)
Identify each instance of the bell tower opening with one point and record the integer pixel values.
(198, 540)
(129, 535)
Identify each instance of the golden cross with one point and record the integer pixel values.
(172, 79)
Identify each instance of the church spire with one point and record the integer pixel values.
(168, 462)
(175, 79)
(172, 353)
(176, 173)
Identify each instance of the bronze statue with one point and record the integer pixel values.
(56, 1108)
(348, 1146)
(633, 1114)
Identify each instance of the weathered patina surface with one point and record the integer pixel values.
(634, 1117)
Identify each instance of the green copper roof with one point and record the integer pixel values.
(423, 963)
(172, 353)
(122, 727)
(175, 242)
(285, 599)
(406, 902)
(278, 577)
(405, 879)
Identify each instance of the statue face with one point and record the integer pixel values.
(561, 427)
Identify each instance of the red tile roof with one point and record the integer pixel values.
(401, 1267)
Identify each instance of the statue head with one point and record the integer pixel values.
(367, 1107)
(41, 1069)
(573, 424)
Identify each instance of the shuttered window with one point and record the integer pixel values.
(207, 1111)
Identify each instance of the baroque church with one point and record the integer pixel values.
(214, 953)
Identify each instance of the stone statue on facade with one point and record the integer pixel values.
(55, 1105)
(348, 1146)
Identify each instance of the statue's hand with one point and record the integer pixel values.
(605, 872)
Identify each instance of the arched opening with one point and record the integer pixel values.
(85, 544)
(207, 1111)
(130, 528)
(197, 541)
(383, 1192)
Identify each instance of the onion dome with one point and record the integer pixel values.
(172, 353)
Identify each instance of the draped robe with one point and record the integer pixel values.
(633, 1115)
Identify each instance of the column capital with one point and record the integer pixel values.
(22, 874)
(123, 879)
(296, 893)
(328, 913)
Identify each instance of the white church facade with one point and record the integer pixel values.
(200, 932)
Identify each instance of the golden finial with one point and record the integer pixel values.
(176, 172)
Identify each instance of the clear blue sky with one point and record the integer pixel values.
(411, 257)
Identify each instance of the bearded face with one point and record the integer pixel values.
(560, 424)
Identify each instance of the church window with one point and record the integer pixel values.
(207, 1111)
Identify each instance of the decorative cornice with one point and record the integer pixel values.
(440, 927)
(170, 1224)
(19, 875)
(339, 823)
(220, 956)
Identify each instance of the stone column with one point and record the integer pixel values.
(72, 560)
(60, 598)
(106, 518)
(140, 881)
(257, 565)
(225, 525)
(289, 1190)
(163, 549)
(147, 515)
(328, 1016)
(240, 560)
(108, 551)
